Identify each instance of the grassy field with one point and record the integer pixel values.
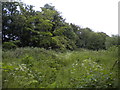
(40, 68)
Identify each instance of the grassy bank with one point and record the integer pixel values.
(40, 68)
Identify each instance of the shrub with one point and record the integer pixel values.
(40, 68)
(9, 45)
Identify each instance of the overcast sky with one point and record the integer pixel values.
(98, 15)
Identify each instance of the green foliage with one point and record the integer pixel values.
(111, 41)
(9, 45)
(47, 28)
(90, 40)
(30, 67)
(41, 68)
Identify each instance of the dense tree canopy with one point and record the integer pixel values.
(23, 26)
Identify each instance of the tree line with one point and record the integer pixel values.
(22, 26)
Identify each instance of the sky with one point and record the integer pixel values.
(98, 15)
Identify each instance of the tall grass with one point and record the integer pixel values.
(40, 68)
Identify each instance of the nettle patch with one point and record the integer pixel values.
(91, 74)
(20, 75)
(39, 68)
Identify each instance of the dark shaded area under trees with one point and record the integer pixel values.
(23, 26)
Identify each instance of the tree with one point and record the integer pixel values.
(113, 40)
(9, 13)
(23, 26)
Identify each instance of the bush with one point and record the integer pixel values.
(40, 68)
(9, 45)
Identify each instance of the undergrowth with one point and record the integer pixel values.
(40, 68)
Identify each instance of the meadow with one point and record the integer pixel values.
(40, 68)
(45, 51)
